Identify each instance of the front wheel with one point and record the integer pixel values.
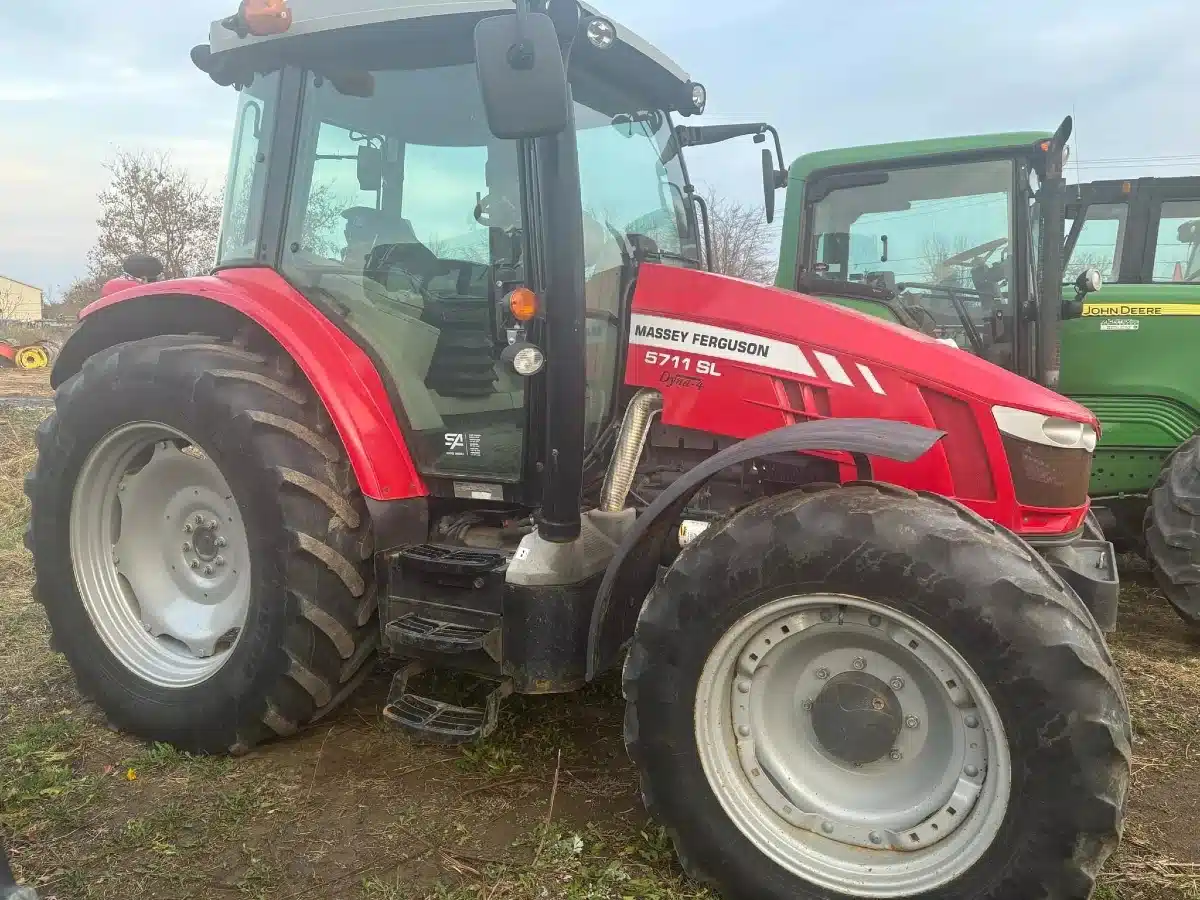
(861, 692)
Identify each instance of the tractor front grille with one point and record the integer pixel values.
(1048, 477)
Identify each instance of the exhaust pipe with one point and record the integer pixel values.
(645, 405)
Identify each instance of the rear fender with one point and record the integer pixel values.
(348, 383)
(634, 567)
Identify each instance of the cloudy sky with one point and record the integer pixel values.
(80, 78)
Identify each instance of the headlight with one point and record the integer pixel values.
(699, 98)
(601, 33)
(1050, 459)
(1041, 429)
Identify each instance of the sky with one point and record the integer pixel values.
(81, 78)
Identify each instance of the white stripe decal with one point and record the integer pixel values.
(833, 368)
(871, 379)
(690, 337)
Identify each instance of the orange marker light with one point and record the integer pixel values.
(264, 17)
(524, 304)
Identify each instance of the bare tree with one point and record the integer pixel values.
(743, 242)
(934, 253)
(10, 299)
(81, 292)
(151, 206)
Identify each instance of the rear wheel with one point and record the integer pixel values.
(861, 692)
(1172, 526)
(200, 544)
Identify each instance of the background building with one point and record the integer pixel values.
(19, 301)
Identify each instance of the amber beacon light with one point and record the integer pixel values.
(266, 17)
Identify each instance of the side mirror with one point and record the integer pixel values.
(370, 168)
(769, 183)
(143, 267)
(1088, 282)
(522, 76)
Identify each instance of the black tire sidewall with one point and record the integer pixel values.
(166, 394)
(717, 594)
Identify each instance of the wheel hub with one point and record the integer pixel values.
(856, 718)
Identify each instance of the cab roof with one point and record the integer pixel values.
(867, 154)
(311, 17)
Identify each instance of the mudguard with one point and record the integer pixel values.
(345, 378)
(632, 571)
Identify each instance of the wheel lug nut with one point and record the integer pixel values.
(221, 542)
(859, 663)
(877, 704)
(214, 525)
(808, 704)
(912, 722)
(199, 520)
(187, 529)
(897, 683)
(208, 570)
(972, 721)
(195, 563)
(186, 547)
(822, 673)
(895, 754)
(219, 561)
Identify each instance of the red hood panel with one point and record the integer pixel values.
(741, 306)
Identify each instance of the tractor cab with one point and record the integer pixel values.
(960, 238)
(410, 224)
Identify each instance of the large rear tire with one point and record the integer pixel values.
(989, 757)
(1172, 527)
(201, 545)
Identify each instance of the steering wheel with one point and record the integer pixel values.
(976, 255)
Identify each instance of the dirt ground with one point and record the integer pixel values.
(20, 383)
(547, 809)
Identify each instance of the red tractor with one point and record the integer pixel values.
(461, 393)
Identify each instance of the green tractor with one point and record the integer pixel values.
(945, 236)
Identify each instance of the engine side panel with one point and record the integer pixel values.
(737, 359)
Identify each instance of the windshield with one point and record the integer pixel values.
(941, 237)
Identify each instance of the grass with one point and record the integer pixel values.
(547, 809)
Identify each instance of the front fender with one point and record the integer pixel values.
(632, 571)
(348, 383)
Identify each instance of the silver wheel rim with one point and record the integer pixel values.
(160, 554)
(908, 822)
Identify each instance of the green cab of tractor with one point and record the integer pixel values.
(979, 241)
(460, 394)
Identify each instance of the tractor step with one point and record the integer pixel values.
(438, 722)
(427, 635)
(439, 559)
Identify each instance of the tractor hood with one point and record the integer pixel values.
(809, 337)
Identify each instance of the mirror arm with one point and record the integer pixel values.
(702, 205)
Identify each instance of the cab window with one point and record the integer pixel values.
(1175, 256)
(1101, 238)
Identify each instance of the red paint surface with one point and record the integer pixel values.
(750, 397)
(342, 375)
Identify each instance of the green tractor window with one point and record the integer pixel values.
(1175, 256)
(1101, 238)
